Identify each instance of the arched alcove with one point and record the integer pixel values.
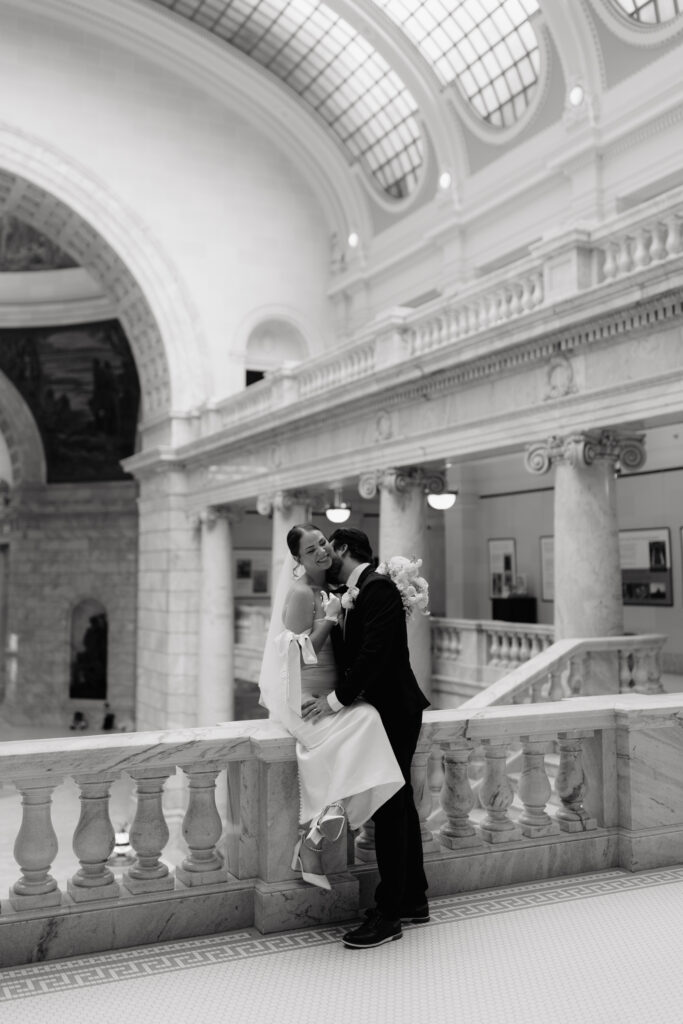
(89, 632)
(272, 344)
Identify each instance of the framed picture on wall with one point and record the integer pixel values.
(547, 568)
(502, 567)
(252, 572)
(646, 574)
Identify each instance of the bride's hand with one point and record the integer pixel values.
(331, 605)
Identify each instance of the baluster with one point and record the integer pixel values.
(641, 250)
(539, 293)
(365, 843)
(202, 829)
(654, 680)
(674, 234)
(658, 247)
(537, 691)
(555, 690)
(535, 646)
(577, 674)
(640, 670)
(624, 260)
(435, 777)
(457, 797)
(453, 644)
(524, 651)
(149, 834)
(494, 648)
(35, 847)
(515, 644)
(496, 795)
(625, 677)
(504, 658)
(527, 295)
(516, 306)
(534, 789)
(570, 785)
(610, 265)
(93, 841)
(422, 794)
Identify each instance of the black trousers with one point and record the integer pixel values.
(398, 843)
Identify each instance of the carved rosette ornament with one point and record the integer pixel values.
(626, 451)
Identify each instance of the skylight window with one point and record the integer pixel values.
(334, 69)
(651, 12)
(487, 46)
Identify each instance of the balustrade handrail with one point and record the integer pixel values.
(554, 660)
(483, 625)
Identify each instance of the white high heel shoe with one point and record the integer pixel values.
(320, 880)
(328, 825)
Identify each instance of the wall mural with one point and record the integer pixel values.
(81, 385)
(24, 248)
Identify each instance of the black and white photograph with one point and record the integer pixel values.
(341, 530)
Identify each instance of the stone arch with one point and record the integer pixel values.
(274, 342)
(78, 212)
(22, 436)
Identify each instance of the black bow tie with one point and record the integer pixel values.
(340, 589)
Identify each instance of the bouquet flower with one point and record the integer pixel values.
(412, 587)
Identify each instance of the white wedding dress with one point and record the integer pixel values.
(343, 758)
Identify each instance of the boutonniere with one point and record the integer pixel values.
(348, 599)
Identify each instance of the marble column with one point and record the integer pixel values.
(587, 582)
(287, 508)
(464, 554)
(215, 699)
(403, 531)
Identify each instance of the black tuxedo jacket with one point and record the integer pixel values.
(372, 653)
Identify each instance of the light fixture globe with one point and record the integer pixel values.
(338, 514)
(442, 502)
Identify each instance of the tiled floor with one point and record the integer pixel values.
(605, 948)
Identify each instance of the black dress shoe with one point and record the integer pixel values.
(375, 931)
(415, 915)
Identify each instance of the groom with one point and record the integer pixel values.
(374, 663)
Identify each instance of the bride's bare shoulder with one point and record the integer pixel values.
(299, 595)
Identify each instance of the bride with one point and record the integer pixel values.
(347, 768)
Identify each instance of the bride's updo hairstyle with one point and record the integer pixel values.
(294, 537)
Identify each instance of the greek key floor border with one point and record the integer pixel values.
(126, 964)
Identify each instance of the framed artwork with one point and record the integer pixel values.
(252, 572)
(502, 567)
(646, 573)
(547, 568)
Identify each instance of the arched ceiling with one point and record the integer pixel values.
(485, 49)
(651, 12)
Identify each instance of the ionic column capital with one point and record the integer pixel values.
(401, 481)
(281, 501)
(625, 451)
(207, 518)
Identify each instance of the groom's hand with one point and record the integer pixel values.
(312, 710)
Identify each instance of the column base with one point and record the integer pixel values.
(459, 842)
(279, 906)
(35, 902)
(140, 885)
(191, 878)
(83, 893)
(537, 831)
(577, 825)
(509, 835)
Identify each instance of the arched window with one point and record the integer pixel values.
(274, 343)
(89, 630)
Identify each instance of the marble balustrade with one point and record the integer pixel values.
(574, 263)
(618, 801)
(564, 669)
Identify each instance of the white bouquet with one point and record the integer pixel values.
(413, 588)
